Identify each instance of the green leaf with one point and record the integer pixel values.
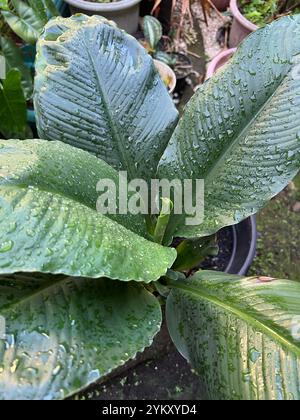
(67, 333)
(24, 21)
(4, 5)
(12, 105)
(39, 9)
(49, 222)
(97, 89)
(15, 60)
(241, 130)
(240, 334)
(152, 31)
(51, 7)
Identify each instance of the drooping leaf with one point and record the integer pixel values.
(96, 88)
(66, 333)
(241, 130)
(15, 60)
(49, 222)
(240, 334)
(12, 105)
(24, 21)
(152, 31)
(4, 5)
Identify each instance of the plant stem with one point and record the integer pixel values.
(163, 220)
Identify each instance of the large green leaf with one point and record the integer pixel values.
(12, 105)
(241, 130)
(240, 334)
(49, 222)
(97, 89)
(24, 21)
(66, 333)
(15, 60)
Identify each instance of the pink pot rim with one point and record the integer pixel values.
(241, 18)
(212, 67)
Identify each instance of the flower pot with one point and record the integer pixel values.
(219, 61)
(241, 27)
(124, 12)
(166, 74)
(221, 5)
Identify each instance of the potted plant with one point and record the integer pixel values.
(218, 61)
(152, 41)
(21, 24)
(78, 296)
(249, 15)
(125, 13)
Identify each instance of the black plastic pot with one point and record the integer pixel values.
(244, 246)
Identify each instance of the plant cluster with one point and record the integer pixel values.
(21, 23)
(262, 12)
(80, 291)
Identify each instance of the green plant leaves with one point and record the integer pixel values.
(12, 105)
(15, 60)
(49, 222)
(97, 89)
(24, 21)
(152, 31)
(62, 334)
(241, 130)
(240, 334)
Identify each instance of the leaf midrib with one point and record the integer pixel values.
(118, 141)
(217, 163)
(238, 313)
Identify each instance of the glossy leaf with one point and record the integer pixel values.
(241, 130)
(12, 105)
(152, 31)
(24, 21)
(240, 334)
(49, 222)
(15, 60)
(97, 89)
(62, 334)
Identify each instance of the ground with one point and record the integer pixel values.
(278, 248)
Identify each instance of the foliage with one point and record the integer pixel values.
(261, 12)
(240, 133)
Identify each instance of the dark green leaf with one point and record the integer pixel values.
(96, 88)
(67, 333)
(240, 334)
(15, 60)
(12, 105)
(49, 222)
(241, 130)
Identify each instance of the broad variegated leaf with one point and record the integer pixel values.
(241, 130)
(60, 334)
(97, 89)
(242, 335)
(49, 221)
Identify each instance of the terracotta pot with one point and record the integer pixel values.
(241, 27)
(221, 5)
(124, 12)
(166, 72)
(219, 61)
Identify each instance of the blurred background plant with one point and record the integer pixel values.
(21, 23)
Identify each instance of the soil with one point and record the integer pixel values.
(221, 261)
